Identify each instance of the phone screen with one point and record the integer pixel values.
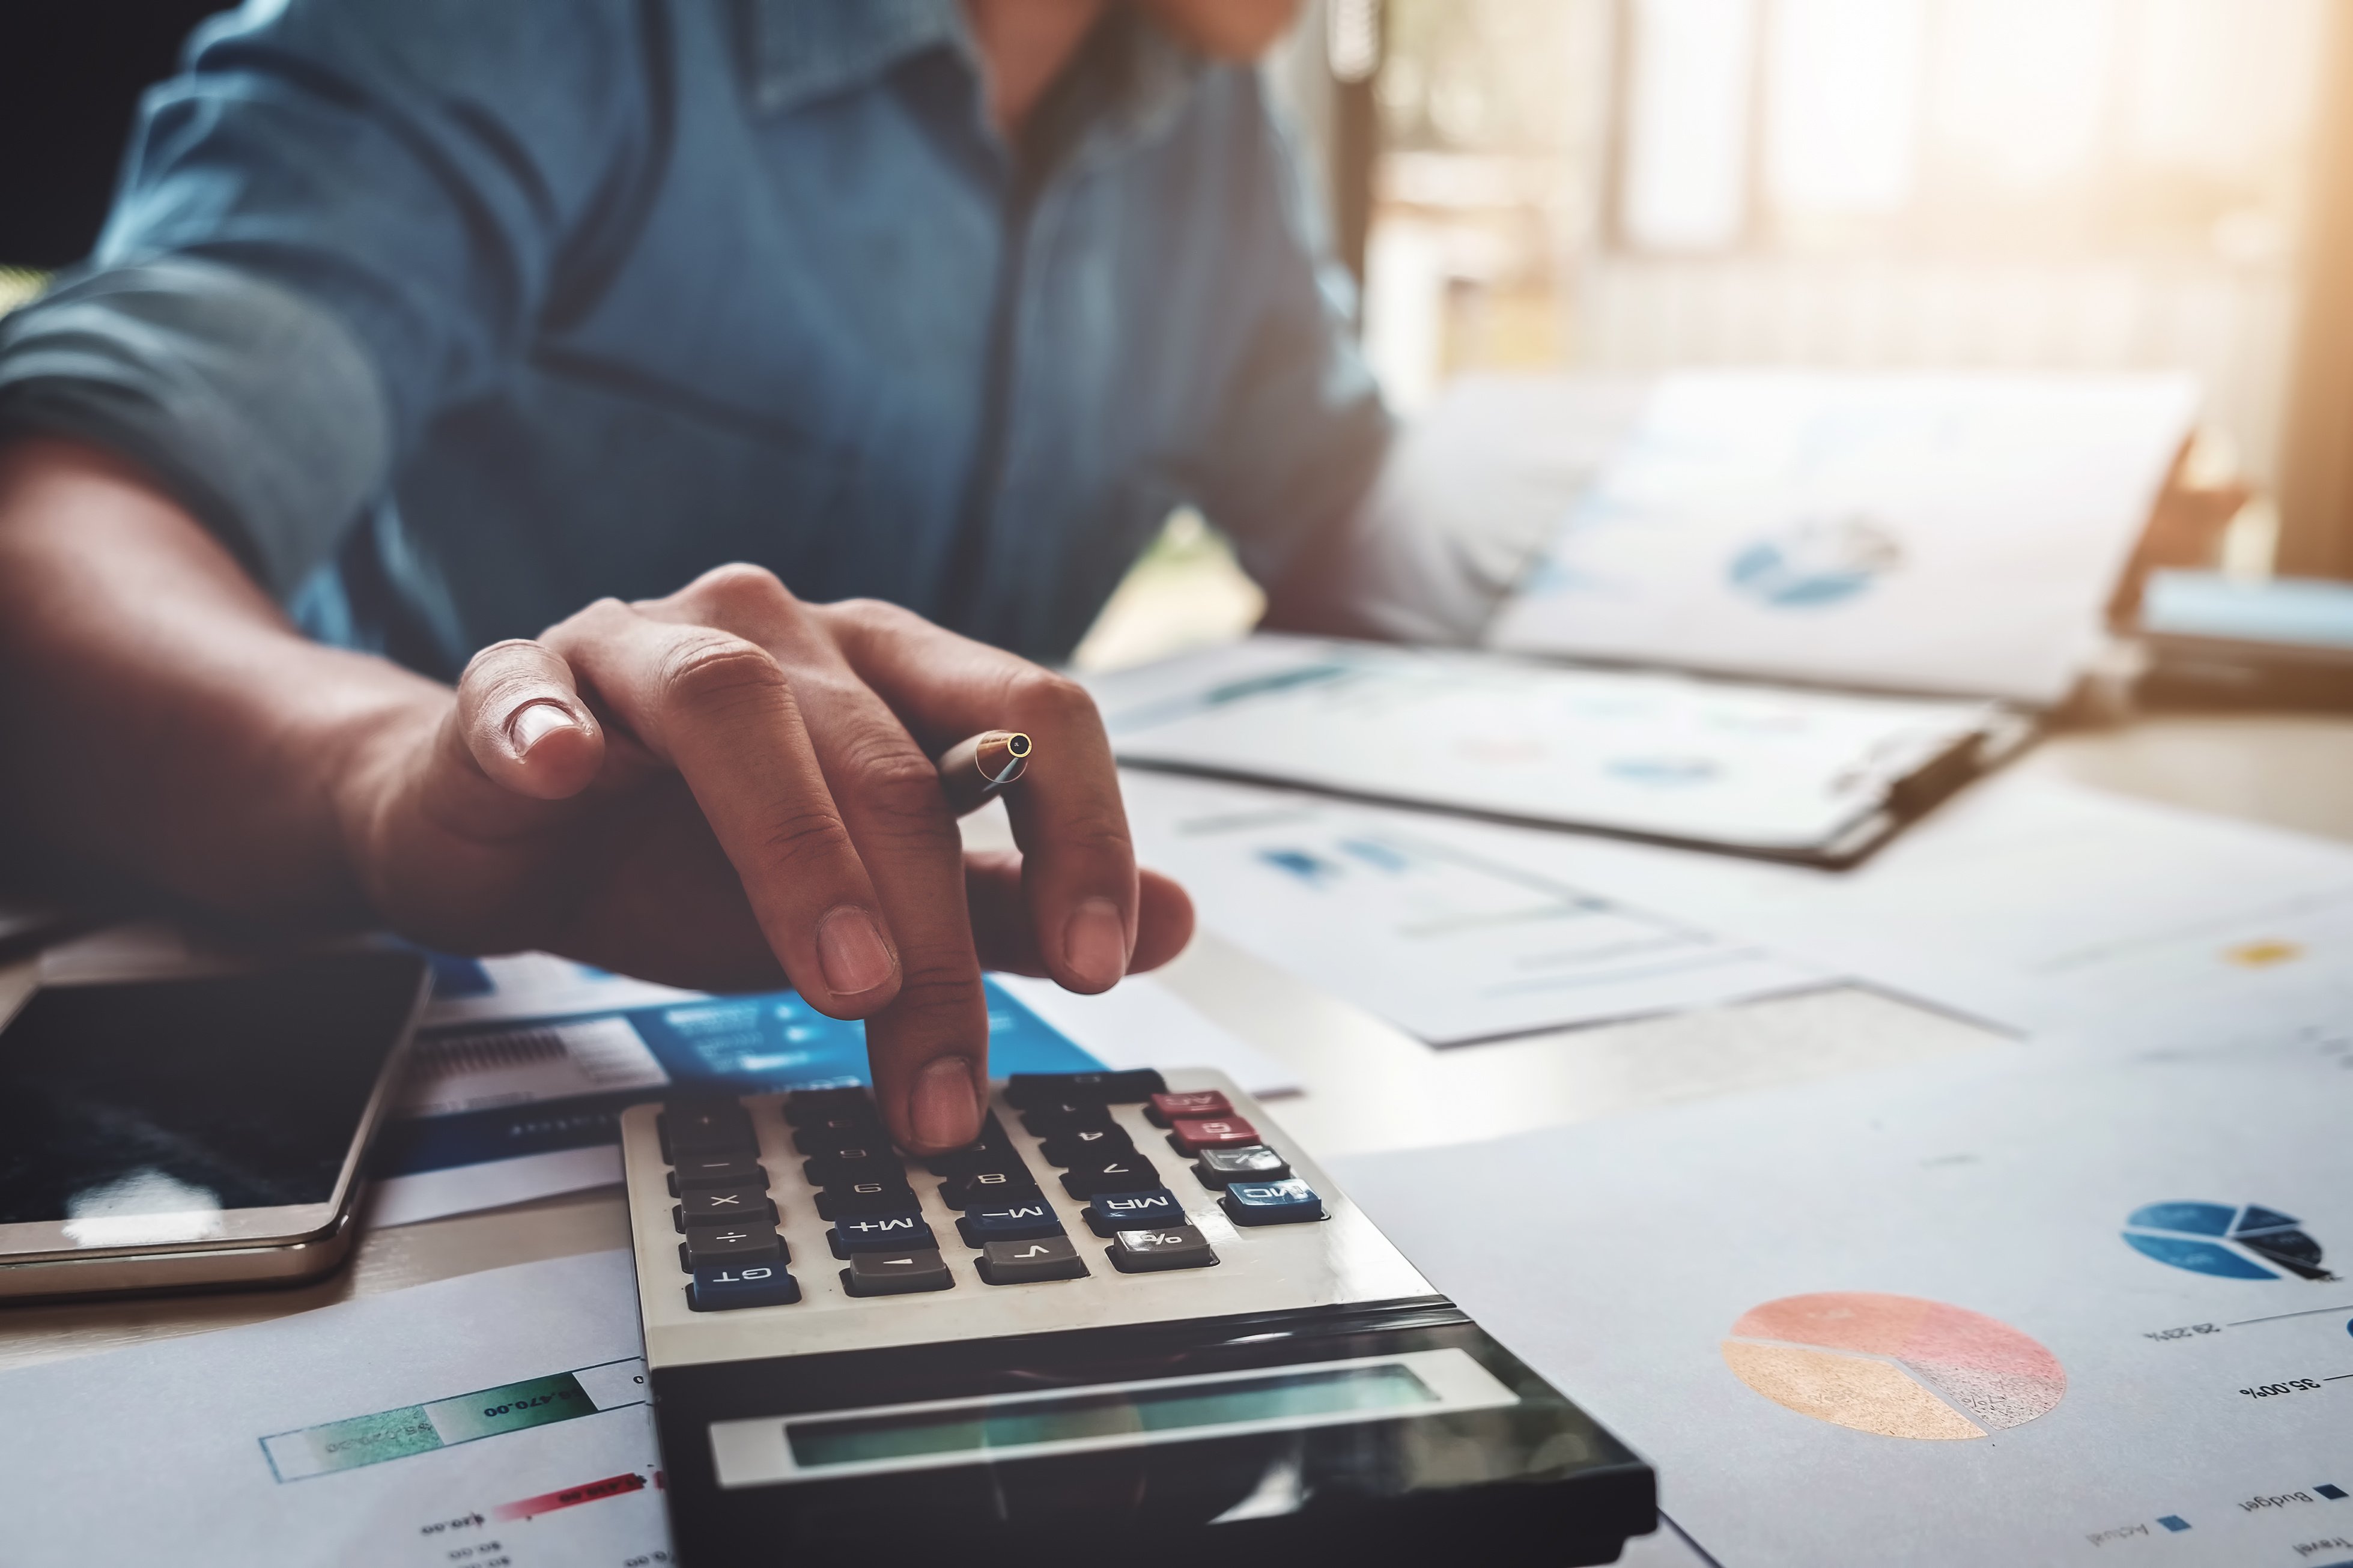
(208, 1094)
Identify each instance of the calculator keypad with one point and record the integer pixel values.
(885, 1215)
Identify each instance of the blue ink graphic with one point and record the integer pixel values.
(1818, 560)
(1663, 771)
(2249, 1243)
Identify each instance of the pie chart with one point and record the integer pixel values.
(1895, 1365)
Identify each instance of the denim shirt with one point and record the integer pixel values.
(450, 316)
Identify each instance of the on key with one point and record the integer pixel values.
(1007, 1222)
(1250, 1163)
(1167, 1107)
(1169, 1246)
(1086, 1146)
(722, 1290)
(1024, 1089)
(724, 1244)
(880, 1233)
(1114, 1212)
(1192, 1136)
(895, 1273)
(1129, 1173)
(723, 1206)
(717, 1171)
(1271, 1203)
(1028, 1262)
(985, 1187)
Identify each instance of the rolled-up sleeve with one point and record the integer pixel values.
(256, 407)
(342, 217)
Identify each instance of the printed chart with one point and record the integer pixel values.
(2226, 1240)
(1449, 945)
(1896, 1365)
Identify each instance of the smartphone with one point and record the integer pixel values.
(206, 1130)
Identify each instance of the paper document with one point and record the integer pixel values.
(1653, 754)
(497, 1417)
(1447, 944)
(2015, 1306)
(1957, 533)
(525, 1061)
(2030, 902)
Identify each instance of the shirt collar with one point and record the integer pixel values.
(804, 49)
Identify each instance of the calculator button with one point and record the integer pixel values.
(1024, 1089)
(880, 1233)
(989, 1151)
(895, 1273)
(1060, 1115)
(987, 1187)
(1008, 1222)
(807, 1105)
(1271, 1203)
(717, 1171)
(1250, 1163)
(1191, 1136)
(1170, 1247)
(690, 1130)
(709, 1244)
(723, 1206)
(850, 1165)
(1112, 1212)
(1085, 1147)
(1027, 1262)
(858, 1199)
(1128, 1173)
(724, 1288)
(1167, 1107)
(833, 1133)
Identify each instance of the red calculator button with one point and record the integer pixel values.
(1168, 1108)
(1193, 1134)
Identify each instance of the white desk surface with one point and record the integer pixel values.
(1367, 1086)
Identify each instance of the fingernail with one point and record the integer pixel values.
(533, 723)
(851, 947)
(943, 1108)
(1096, 943)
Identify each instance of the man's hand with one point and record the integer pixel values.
(704, 787)
(714, 789)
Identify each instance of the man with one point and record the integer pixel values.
(441, 341)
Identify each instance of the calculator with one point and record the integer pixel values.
(1132, 1323)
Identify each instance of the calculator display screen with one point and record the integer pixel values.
(1019, 1423)
(124, 1102)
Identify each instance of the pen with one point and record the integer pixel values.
(974, 770)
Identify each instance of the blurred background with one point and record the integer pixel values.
(1630, 187)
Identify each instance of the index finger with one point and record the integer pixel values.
(1078, 861)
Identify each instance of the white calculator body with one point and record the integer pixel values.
(1133, 1322)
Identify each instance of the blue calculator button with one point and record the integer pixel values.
(724, 1289)
(1271, 1203)
(879, 1232)
(1008, 1222)
(1112, 1213)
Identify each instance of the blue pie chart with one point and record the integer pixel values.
(2229, 1241)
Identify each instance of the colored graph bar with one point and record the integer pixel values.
(387, 1434)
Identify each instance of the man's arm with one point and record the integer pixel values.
(708, 788)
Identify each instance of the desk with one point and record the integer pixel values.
(1367, 1086)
